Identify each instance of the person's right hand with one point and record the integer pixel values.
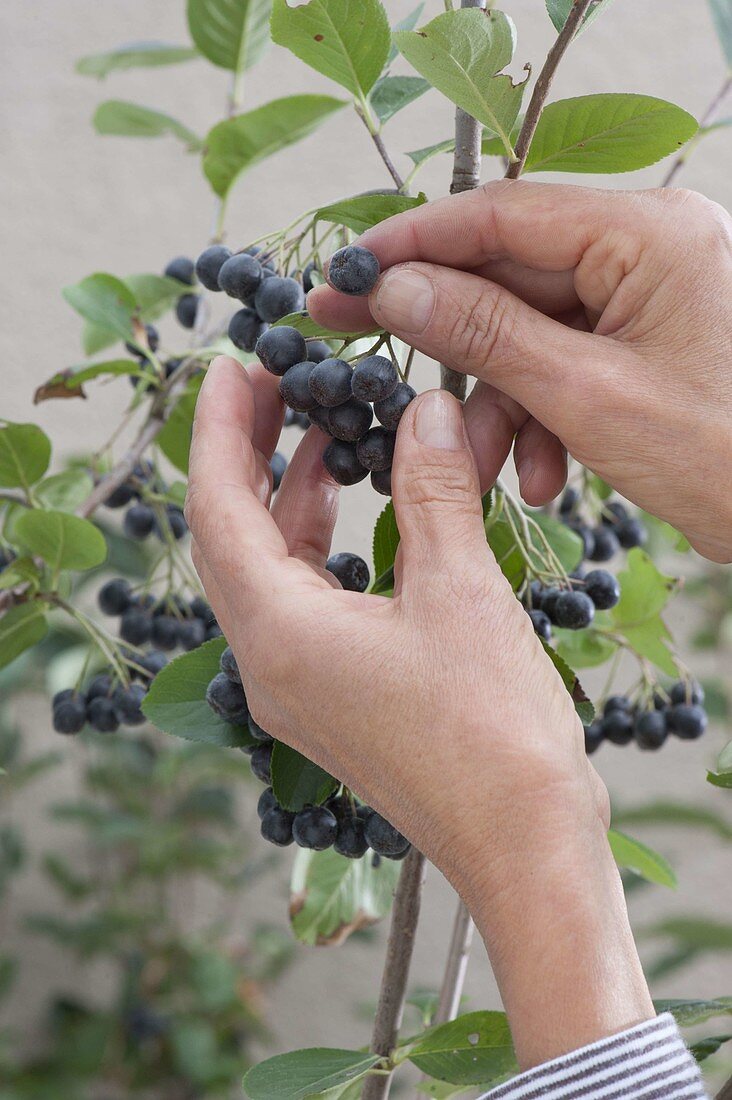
(598, 321)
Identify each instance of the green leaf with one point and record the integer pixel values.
(105, 301)
(345, 40)
(645, 591)
(470, 1050)
(138, 55)
(310, 329)
(174, 439)
(386, 540)
(176, 701)
(721, 11)
(723, 780)
(233, 34)
(582, 704)
(238, 143)
(362, 211)
(491, 145)
(21, 627)
(688, 1013)
(25, 452)
(637, 857)
(62, 540)
(559, 11)
(305, 1073)
(297, 781)
(502, 542)
(460, 53)
(724, 761)
(21, 570)
(677, 815)
(154, 294)
(611, 132)
(333, 896)
(584, 648)
(392, 93)
(68, 383)
(565, 543)
(705, 1048)
(697, 933)
(64, 491)
(120, 118)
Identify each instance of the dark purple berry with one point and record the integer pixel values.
(315, 827)
(574, 611)
(101, 716)
(541, 623)
(330, 382)
(651, 729)
(606, 544)
(375, 379)
(240, 276)
(350, 421)
(209, 264)
(186, 309)
(375, 450)
(687, 720)
(278, 465)
(383, 838)
(295, 389)
(280, 348)
(245, 329)
(353, 270)
(227, 700)
(182, 269)
(351, 570)
(381, 481)
(389, 411)
(602, 588)
(261, 762)
(228, 665)
(277, 826)
(114, 596)
(277, 297)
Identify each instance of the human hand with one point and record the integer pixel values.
(439, 707)
(594, 320)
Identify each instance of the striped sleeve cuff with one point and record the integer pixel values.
(647, 1062)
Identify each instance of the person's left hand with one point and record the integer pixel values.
(438, 707)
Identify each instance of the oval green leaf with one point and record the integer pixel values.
(305, 1073)
(64, 491)
(474, 1049)
(611, 132)
(233, 34)
(638, 857)
(460, 53)
(104, 301)
(363, 211)
(345, 40)
(20, 628)
(297, 781)
(176, 701)
(25, 452)
(239, 143)
(333, 896)
(138, 55)
(119, 118)
(391, 94)
(62, 540)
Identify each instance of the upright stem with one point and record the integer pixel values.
(710, 115)
(392, 995)
(543, 84)
(458, 956)
(465, 177)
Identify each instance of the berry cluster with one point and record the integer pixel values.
(146, 515)
(571, 608)
(186, 308)
(341, 400)
(167, 623)
(106, 703)
(340, 822)
(251, 278)
(617, 527)
(679, 711)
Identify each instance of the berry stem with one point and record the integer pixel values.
(543, 85)
(404, 919)
(364, 113)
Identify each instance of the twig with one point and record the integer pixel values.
(457, 964)
(465, 177)
(710, 116)
(543, 84)
(365, 116)
(392, 995)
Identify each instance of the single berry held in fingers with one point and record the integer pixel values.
(374, 378)
(209, 264)
(353, 270)
(330, 382)
(280, 348)
(351, 570)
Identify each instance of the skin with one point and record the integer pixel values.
(448, 675)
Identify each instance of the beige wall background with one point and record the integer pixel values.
(72, 203)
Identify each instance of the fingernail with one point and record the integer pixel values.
(439, 422)
(405, 300)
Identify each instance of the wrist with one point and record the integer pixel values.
(560, 944)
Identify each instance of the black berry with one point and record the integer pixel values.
(330, 382)
(228, 665)
(209, 264)
(602, 588)
(267, 802)
(630, 533)
(341, 462)
(165, 632)
(617, 702)
(574, 610)
(617, 726)
(228, 700)
(277, 826)
(240, 276)
(294, 387)
(593, 736)
(127, 702)
(606, 544)
(135, 626)
(277, 297)
(186, 309)
(191, 634)
(541, 623)
(182, 269)
(101, 716)
(351, 840)
(651, 729)
(374, 378)
(319, 417)
(202, 610)
(261, 762)
(687, 692)
(315, 827)
(151, 663)
(278, 465)
(569, 501)
(375, 450)
(350, 421)
(114, 596)
(614, 512)
(69, 714)
(122, 495)
(687, 720)
(318, 350)
(258, 732)
(383, 837)
(389, 411)
(381, 482)
(351, 571)
(98, 686)
(245, 329)
(139, 521)
(353, 270)
(280, 348)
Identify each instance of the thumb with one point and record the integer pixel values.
(479, 328)
(436, 496)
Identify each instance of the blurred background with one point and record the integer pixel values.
(72, 203)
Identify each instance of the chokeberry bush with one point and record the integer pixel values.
(583, 568)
